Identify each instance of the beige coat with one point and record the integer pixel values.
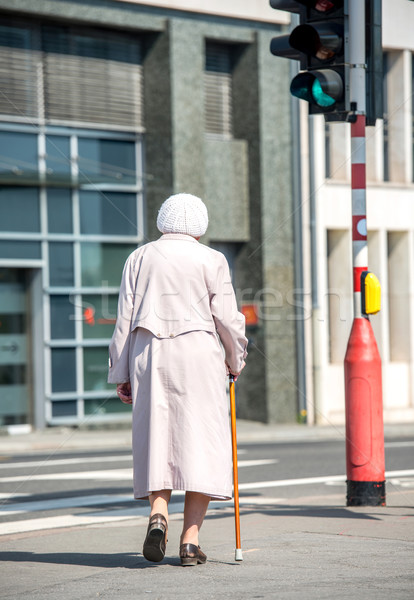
(176, 301)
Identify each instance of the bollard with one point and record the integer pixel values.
(365, 463)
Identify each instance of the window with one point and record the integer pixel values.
(99, 315)
(58, 167)
(218, 89)
(64, 408)
(61, 264)
(339, 292)
(19, 209)
(107, 406)
(108, 213)
(386, 67)
(71, 74)
(18, 157)
(19, 249)
(399, 295)
(95, 369)
(59, 210)
(109, 161)
(92, 76)
(63, 370)
(62, 318)
(19, 57)
(102, 264)
(412, 111)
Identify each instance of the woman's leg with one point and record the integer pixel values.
(195, 509)
(156, 538)
(159, 502)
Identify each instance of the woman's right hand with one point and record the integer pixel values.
(124, 393)
(235, 375)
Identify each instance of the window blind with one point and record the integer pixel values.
(218, 89)
(96, 79)
(72, 76)
(20, 66)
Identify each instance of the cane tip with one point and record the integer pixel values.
(238, 554)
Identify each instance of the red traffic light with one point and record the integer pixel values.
(322, 40)
(322, 6)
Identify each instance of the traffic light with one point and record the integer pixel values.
(320, 44)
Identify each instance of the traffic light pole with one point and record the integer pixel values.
(363, 379)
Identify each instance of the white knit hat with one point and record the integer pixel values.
(183, 213)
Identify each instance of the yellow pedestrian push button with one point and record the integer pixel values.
(370, 293)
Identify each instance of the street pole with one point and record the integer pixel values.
(363, 379)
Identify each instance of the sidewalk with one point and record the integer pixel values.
(66, 439)
(315, 550)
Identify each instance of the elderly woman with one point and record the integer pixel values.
(176, 304)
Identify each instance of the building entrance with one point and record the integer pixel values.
(15, 364)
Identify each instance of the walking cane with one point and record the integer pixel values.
(238, 552)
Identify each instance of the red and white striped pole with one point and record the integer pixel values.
(363, 380)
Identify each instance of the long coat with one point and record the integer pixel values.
(176, 304)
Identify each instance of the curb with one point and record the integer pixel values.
(66, 439)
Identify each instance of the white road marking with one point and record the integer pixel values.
(11, 495)
(311, 480)
(399, 444)
(289, 482)
(103, 475)
(95, 500)
(64, 461)
(257, 463)
(408, 473)
(63, 521)
(407, 483)
(112, 515)
(126, 475)
(60, 503)
(107, 475)
(58, 522)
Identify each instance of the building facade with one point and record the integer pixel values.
(107, 108)
(390, 219)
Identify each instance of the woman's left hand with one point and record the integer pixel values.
(124, 392)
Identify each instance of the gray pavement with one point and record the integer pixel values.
(310, 547)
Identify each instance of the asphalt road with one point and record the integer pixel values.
(44, 491)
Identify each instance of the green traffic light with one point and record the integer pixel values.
(319, 95)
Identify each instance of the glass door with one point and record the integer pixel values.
(14, 371)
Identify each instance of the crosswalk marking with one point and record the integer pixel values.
(135, 510)
(103, 475)
(117, 515)
(11, 495)
(64, 461)
(56, 522)
(60, 503)
(106, 475)
(312, 480)
(406, 444)
(257, 463)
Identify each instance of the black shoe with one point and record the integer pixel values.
(156, 540)
(191, 555)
